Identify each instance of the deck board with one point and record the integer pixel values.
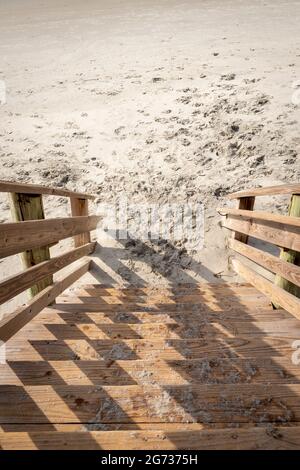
(155, 368)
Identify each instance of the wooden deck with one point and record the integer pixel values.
(191, 367)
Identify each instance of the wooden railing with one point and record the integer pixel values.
(32, 235)
(280, 230)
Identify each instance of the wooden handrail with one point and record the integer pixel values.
(266, 260)
(269, 191)
(282, 235)
(277, 229)
(8, 187)
(276, 294)
(19, 236)
(13, 322)
(16, 284)
(261, 215)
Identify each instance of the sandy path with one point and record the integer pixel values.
(166, 101)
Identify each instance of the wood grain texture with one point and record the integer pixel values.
(261, 215)
(271, 263)
(14, 321)
(79, 207)
(290, 256)
(275, 293)
(30, 207)
(150, 372)
(189, 438)
(20, 236)
(226, 403)
(279, 234)
(8, 187)
(16, 284)
(268, 191)
(191, 366)
(247, 346)
(244, 203)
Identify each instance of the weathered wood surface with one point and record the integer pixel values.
(201, 330)
(20, 236)
(268, 191)
(16, 320)
(244, 203)
(8, 187)
(262, 215)
(256, 438)
(16, 284)
(153, 368)
(79, 207)
(282, 235)
(30, 207)
(150, 372)
(290, 256)
(275, 293)
(246, 346)
(225, 403)
(271, 263)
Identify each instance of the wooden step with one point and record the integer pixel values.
(55, 315)
(247, 346)
(141, 372)
(255, 438)
(226, 403)
(189, 330)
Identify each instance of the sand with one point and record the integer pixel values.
(164, 101)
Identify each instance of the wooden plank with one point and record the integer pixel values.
(267, 261)
(188, 437)
(261, 215)
(247, 346)
(15, 321)
(79, 207)
(268, 191)
(21, 236)
(159, 330)
(289, 256)
(279, 234)
(276, 294)
(53, 315)
(88, 304)
(221, 403)
(9, 187)
(16, 284)
(148, 372)
(30, 207)
(244, 203)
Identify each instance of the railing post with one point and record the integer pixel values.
(245, 203)
(290, 256)
(79, 207)
(30, 207)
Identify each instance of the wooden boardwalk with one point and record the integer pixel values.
(192, 367)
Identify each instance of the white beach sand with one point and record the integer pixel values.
(164, 101)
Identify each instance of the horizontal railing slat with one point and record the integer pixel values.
(8, 187)
(13, 322)
(16, 284)
(278, 234)
(279, 296)
(268, 191)
(261, 215)
(289, 271)
(21, 236)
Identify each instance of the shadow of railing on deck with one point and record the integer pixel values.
(189, 337)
